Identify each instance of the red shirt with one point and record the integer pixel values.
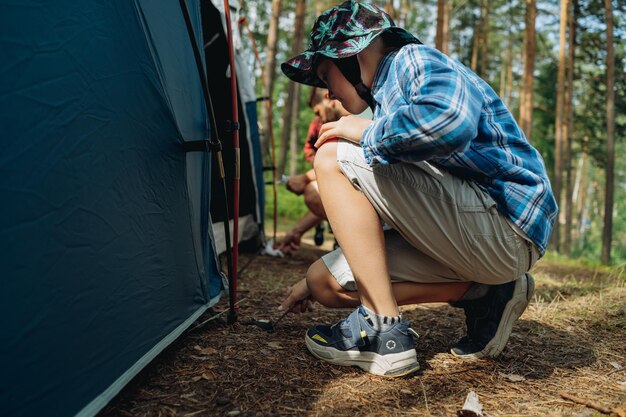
(311, 138)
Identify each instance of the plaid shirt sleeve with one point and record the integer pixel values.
(435, 112)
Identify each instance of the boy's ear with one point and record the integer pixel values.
(326, 95)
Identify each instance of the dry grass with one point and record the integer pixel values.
(571, 339)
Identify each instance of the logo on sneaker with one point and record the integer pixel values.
(391, 344)
(320, 338)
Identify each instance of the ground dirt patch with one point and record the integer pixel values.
(571, 339)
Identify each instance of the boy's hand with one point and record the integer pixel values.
(298, 296)
(348, 127)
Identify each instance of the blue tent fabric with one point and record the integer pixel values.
(105, 240)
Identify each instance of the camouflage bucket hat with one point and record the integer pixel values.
(341, 32)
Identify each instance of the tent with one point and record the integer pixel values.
(107, 251)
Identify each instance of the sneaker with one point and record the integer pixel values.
(354, 342)
(490, 318)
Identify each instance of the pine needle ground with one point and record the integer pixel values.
(571, 339)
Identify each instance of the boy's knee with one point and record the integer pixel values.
(326, 158)
(318, 280)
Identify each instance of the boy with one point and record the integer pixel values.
(445, 166)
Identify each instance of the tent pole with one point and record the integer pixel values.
(232, 313)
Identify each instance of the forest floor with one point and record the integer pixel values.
(570, 341)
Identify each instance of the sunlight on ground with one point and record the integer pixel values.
(570, 340)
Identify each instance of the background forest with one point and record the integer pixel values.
(558, 65)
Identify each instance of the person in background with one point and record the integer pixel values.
(325, 110)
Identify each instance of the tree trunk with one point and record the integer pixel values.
(506, 70)
(319, 8)
(578, 193)
(584, 191)
(296, 46)
(509, 79)
(526, 97)
(484, 41)
(558, 124)
(503, 69)
(446, 27)
(475, 46)
(405, 12)
(607, 230)
(294, 145)
(391, 11)
(568, 128)
(443, 12)
(441, 5)
(270, 69)
(285, 129)
(592, 187)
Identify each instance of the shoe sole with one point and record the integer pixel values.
(522, 293)
(390, 366)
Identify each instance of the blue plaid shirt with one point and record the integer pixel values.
(432, 108)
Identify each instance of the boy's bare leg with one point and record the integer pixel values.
(326, 290)
(357, 228)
